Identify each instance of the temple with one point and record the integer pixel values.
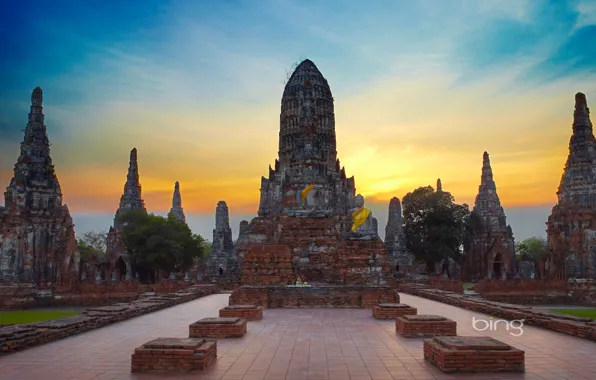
(492, 253)
(571, 227)
(395, 242)
(37, 238)
(311, 223)
(221, 262)
(177, 211)
(131, 199)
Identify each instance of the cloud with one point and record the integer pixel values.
(419, 95)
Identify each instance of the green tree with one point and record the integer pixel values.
(93, 245)
(157, 243)
(434, 226)
(534, 249)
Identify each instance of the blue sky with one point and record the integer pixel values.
(422, 88)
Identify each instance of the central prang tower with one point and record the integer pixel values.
(311, 224)
(307, 179)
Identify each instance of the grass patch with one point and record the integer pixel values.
(584, 313)
(19, 317)
(468, 286)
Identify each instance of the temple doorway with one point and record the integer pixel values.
(497, 266)
(120, 268)
(221, 271)
(397, 267)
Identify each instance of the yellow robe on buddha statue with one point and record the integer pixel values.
(305, 191)
(359, 217)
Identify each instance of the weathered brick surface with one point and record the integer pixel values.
(473, 354)
(455, 286)
(248, 312)
(392, 310)
(580, 327)
(273, 296)
(174, 355)
(222, 327)
(16, 337)
(282, 248)
(425, 325)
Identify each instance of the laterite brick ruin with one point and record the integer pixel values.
(37, 237)
(473, 354)
(248, 312)
(311, 224)
(425, 325)
(222, 327)
(174, 355)
(571, 227)
(392, 310)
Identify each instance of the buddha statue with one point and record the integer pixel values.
(362, 221)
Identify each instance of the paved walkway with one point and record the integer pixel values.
(300, 344)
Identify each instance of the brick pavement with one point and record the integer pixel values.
(316, 344)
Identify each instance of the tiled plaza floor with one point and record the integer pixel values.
(315, 344)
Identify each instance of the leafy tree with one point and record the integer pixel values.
(157, 243)
(434, 226)
(93, 244)
(534, 249)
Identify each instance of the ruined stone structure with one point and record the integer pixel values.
(492, 252)
(177, 211)
(310, 222)
(395, 240)
(37, 238)
(571, 227)
(221, 263)
(116, 252)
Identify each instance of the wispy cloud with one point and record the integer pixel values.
(421, 88)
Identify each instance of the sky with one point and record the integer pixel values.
(422, 88)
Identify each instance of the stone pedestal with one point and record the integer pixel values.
(248, 312)
(174, 355)
(218, 328)
(392, 310)
(473, 354)
(425, 325)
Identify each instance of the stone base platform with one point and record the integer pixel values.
(425, 325)
(332, 296)
(392, 310)
(218, 328)
(473, 354)
(248, 312)
(174, 355)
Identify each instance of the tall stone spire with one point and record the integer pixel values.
(492, 253)
(307, 129)
(176, 209)
(34, 187)
(488, 204)
(222, 234)
(439, 185)
(395, 243)
(131, 197)
(578, 183)
(221, 260)
(37, 239)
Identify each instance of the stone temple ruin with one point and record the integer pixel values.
(116, 252)
(37, 238)
(571, 227)
(310, 223)
(395, 242)
(221, 263)
(177, 211)
(492, 254)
